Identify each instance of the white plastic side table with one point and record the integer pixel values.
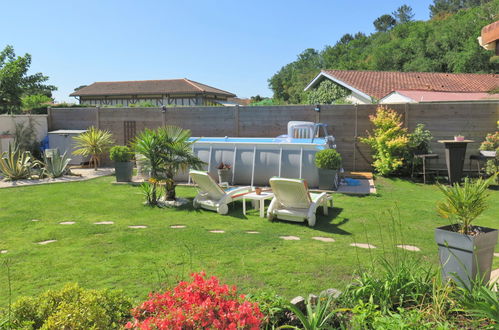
(259, 200)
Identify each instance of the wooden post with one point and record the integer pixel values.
(355, 139)
(406, 115)
(97, 117)
(163, 116)
(236, 121)
(49, 118)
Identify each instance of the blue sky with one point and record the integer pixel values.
(232, 45)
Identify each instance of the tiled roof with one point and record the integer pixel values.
(149, 87)
(379, 83)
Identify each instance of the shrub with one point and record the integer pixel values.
(329, 159)
(72, 307)
(200, 304)
(121, 154)
(491, 143)
(389, 141)
(273, 307)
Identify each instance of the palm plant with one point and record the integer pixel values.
(464, 203)
(93, 143)
(169, 150)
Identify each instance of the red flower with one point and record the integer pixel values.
(200, 304)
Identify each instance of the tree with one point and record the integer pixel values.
(30, 102)
(93, 143)
(384, 23)
(169, 150)
(403, 14)
(327, 93)
(442, 7)
(15, 81)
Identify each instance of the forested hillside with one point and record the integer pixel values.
(445, 43)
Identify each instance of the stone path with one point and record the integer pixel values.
(35, 220)
(83, 174)
(409, 247)
(67, 223)
(290, 238)
(217, 231)
(323, 239)
(177, 226)
(363, 245)
(137, 227)
(46, 242)
(3, 251)
(252, 232)
(104, 223)
(496, 254)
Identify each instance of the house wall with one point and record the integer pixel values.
(346, 122)
(8, 127)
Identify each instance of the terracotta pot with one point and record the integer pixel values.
(258, 191)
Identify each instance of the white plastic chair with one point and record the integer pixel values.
(293, 202)
(211, 196)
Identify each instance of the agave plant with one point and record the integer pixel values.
(93, 143)
(16, 164)
(56, 165)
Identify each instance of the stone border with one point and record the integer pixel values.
(84, 174)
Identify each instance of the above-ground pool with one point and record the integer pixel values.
(255, 160)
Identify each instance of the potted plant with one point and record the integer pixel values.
(466, 251)
(223, 172)
(328, 162)
(122, 156)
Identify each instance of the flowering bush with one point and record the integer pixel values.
(200, 304)
(389, 141)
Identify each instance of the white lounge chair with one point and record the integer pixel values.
(292, 201)
(211, 196)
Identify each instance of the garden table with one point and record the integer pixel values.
(455, 152)
(259, 200)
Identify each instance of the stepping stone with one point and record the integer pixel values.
(290, 238)
(217, 231)
(496, 254)
(3, 251)
(104, 223)
(67, 223)
(409, 247)
(177, 226)
(47, 242)
(35, 220)
(137, 227)
(363, 245)
(252, 232)
(323, 239)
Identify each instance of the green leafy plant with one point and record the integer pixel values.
(272, 306)
(151, 193)
(317, 315)
(121, 154)
(481, 300)
(169, 150)
(72, 307)
(25, 137)
(16, 164)
(491, 143)
(55, 164)
(403, 283)
(328, 159)
(464, 203)
(93, 143)
(31, 102)
(389, 141)
(328, 92)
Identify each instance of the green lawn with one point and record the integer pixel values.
(141, 260)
